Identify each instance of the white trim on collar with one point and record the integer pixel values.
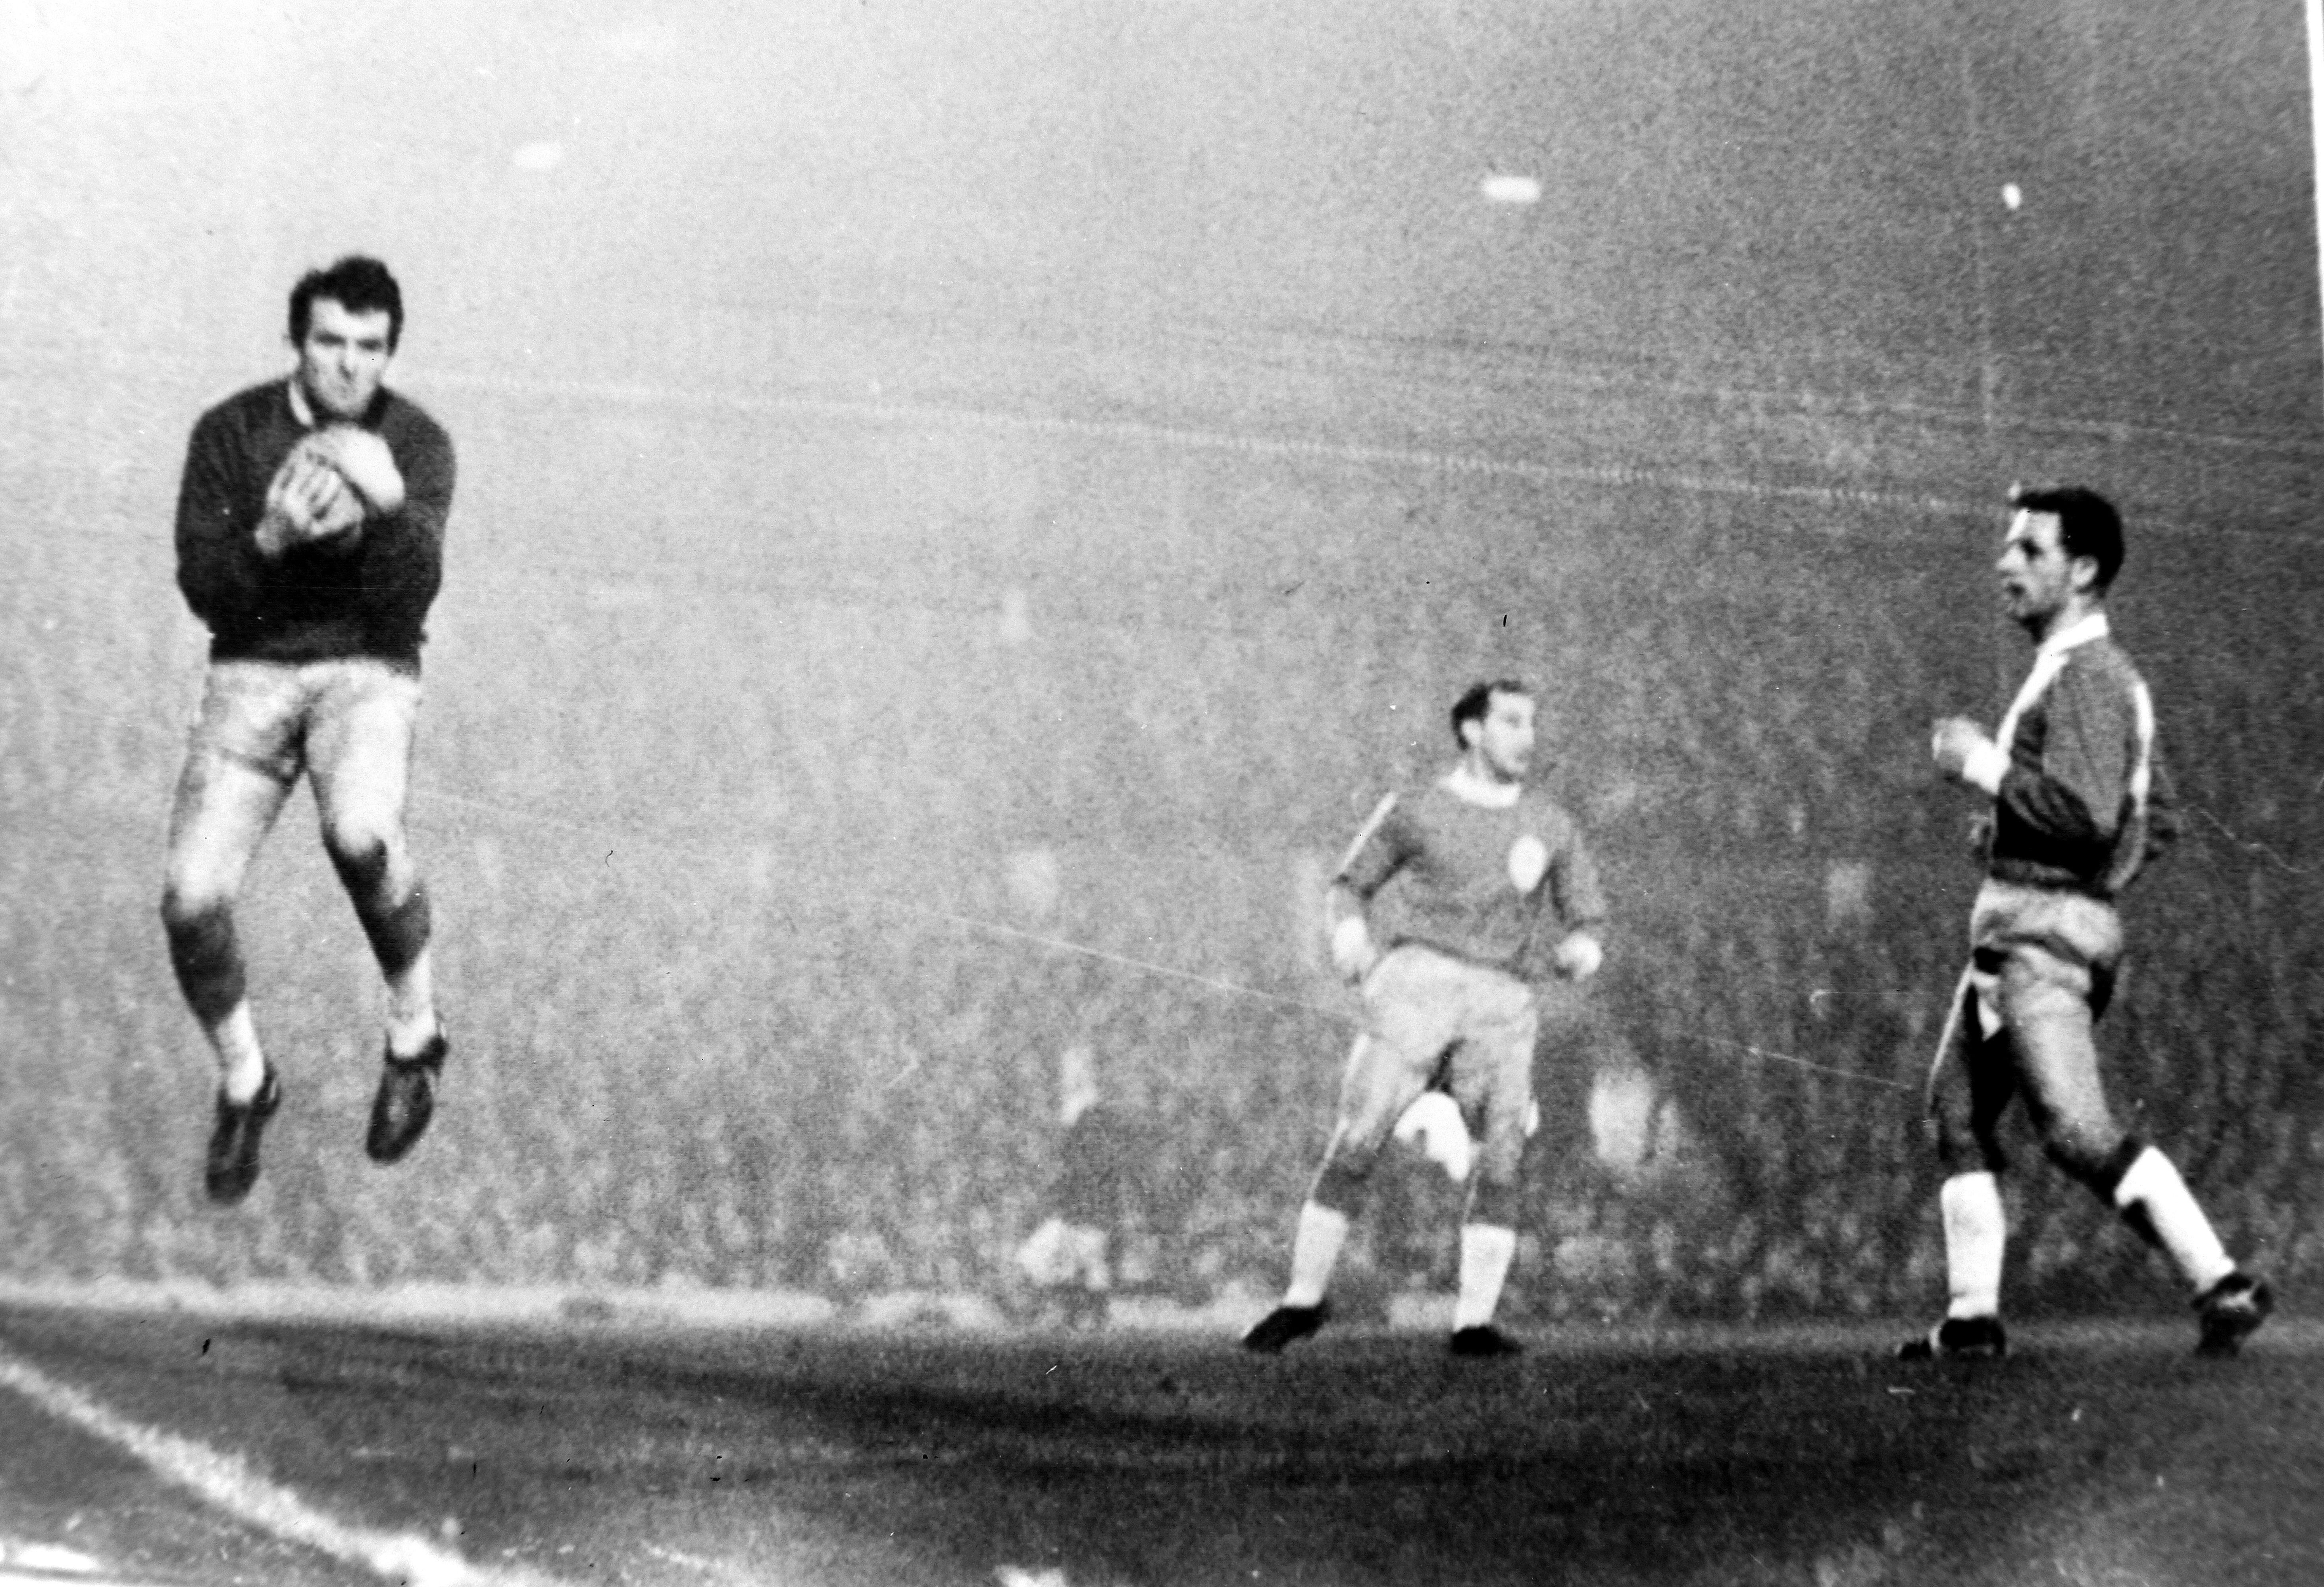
(1470, 789)
(299, 407)
(2093, 626)
(1989, 762)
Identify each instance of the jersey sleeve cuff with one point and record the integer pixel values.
(1987, 765)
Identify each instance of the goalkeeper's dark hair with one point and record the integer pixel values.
(1478, 699)
(2087, 524)
(358, 284)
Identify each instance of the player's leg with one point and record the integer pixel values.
(2048, 999)
(222, 812)
(1970, 1085)
(359, 753)
(1408, 1022)
(1088, 1300)
(1380, 1082)
(239, 771)
(1492, 1079)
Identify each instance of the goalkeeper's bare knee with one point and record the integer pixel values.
(385, 888)
(374, 862)
(205, 952)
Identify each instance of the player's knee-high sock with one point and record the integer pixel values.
(242, 1063)
(1486, 1251)
(1976, 1232)
(1314, 1253)
(411, 1022)
(2155, 1201)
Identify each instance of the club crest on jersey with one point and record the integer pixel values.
(1528, 859)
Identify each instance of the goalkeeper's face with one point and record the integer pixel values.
(343, 357)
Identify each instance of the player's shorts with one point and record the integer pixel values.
(2023, 939)
(1430, 1019)
(281, 719)
(2042, 970)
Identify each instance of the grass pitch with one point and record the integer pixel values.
(838, 1457)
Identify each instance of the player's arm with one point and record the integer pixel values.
(1353, 952)
(1965, 753)
(1381, 850)
(403, 550)
(2075, 791)
(2070, 793)
(2162, 816)
(219, 565)
(1581, 905)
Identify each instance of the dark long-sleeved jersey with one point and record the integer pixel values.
(1500, 885)
(2084, 804)
(316, 603)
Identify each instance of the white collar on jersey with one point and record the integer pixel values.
(1470, 788)
(2093, 626)
(2049, 661)
(299, 408)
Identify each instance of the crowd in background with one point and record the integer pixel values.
(770, 902)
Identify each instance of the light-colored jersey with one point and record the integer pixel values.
(1499, 886)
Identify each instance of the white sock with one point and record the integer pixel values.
(411, 1022)
(1486, 1249)
(242, 1063)
(2179, 1222)
(1314, 1253)
(1976, 1233)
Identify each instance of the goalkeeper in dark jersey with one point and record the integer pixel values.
(1460, 903)
(309, 539)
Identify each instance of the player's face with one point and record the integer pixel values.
(2037, 576)
(1504, 739)
(343, 357)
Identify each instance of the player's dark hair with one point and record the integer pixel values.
(1478, 699)
(2087, 524)
(358, 284)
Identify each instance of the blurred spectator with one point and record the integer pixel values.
(1091, 1204)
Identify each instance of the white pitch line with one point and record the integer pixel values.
(225, 1482)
